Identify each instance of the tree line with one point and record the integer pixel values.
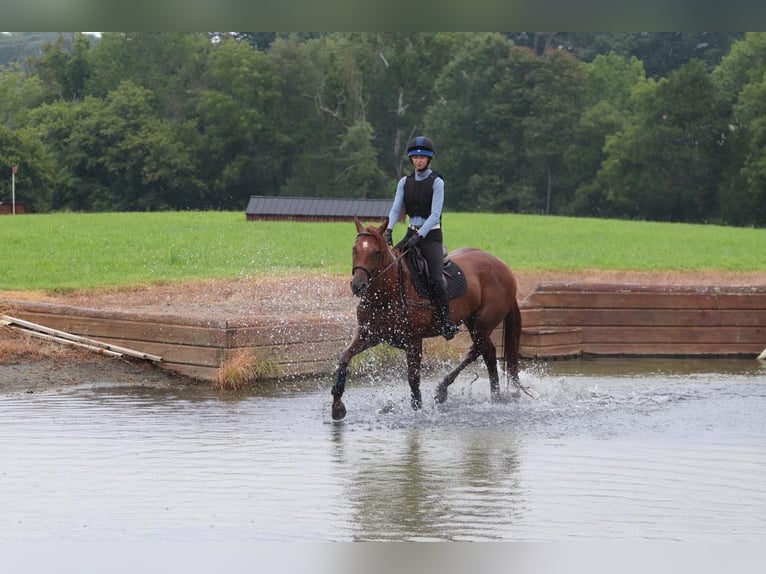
(656, 126)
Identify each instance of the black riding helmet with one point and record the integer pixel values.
(421, 145)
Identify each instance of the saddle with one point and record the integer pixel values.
(453, 275)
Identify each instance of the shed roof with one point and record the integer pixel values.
(317, 207)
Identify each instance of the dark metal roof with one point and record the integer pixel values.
(317, 207)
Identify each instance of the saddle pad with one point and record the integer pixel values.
(453, 275)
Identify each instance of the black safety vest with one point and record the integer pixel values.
(418, 194)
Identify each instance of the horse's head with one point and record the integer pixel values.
(371, 255)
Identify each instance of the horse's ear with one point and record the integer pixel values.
(358, 224)
(383, 227)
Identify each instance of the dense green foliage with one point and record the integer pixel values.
(78, 250)
(644, 126)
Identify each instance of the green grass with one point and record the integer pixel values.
(71, 251)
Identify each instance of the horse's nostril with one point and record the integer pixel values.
(357, 288)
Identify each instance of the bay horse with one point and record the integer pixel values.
(391, 311)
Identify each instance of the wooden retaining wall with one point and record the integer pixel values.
(562, 319)
(559, 320)
(197, 348)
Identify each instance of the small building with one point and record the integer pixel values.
(261, 207)
(6, 208)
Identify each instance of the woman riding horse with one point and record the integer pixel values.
(391, 311)
(421, 194)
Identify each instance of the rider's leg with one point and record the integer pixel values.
(432, 253)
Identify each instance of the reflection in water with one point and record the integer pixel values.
(628, 450)
(439, 485)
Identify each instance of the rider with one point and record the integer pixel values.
(421, 194)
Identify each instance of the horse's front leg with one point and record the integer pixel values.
(414, 359)
(358, 344)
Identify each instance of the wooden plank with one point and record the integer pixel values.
(540, 337)
(59, 335)
(583, 286)
(680, 349)
(727, 335)
(294, 352)
(647, 300)
(154, 331)
(175, 353)
(653, 317)
(549, 352)
(532, 316)
(288, 333)
(206, 374)
(287, 370)
(135, 316)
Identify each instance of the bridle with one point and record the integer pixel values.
(370, 275)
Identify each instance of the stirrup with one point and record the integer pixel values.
(449, 330)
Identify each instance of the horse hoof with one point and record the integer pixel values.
(417, 403)
(441, 395)
(338, 410)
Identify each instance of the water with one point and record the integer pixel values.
(607, 450)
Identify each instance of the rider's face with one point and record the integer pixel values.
(420, 162)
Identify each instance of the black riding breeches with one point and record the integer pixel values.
(432, 250)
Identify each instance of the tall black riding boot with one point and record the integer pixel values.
(449, 329)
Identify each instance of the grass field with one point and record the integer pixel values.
(70, 251)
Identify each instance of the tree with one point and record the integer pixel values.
(360, 175)
(478, 153)
(610, 81)
(741, 79)
(743, 196)
(172, 65)
(34, 177)
(400, 71)
(19, 93)
(116, 155)
(664, 165)
(505, 117)
(64, 68)
(240, 150)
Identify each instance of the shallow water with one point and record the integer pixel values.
(607, 449)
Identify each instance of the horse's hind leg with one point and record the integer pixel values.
(441, 390)
(489, 354)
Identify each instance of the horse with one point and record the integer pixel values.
(391, 311)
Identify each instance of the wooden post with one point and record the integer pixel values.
(13, 189)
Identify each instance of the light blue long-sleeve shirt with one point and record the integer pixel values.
(437, 204)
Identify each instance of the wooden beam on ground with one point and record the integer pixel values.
(57, 334)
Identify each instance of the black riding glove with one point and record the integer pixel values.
(413, 241)
(388, 237)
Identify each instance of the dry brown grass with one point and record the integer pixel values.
(243, 368)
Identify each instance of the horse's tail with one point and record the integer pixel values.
(512, 341)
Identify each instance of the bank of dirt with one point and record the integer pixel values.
(29, 364)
